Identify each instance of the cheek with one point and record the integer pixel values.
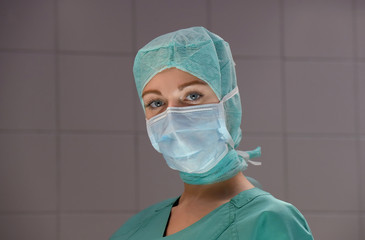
(210, 95)
(148, 114)
(213, 98)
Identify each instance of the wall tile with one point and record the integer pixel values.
(113, 174)
(97, 172)
(40, 227)
(95, 25)
(318, 28)
(27, 173)
(141, 120)
(90, 226)
(96, 93)
(361, 94)
(260, 87)
(27, 91)
(157, 181)
(271, 173)
(158, 17)
(251, 27)
(360, 23)
(322, 174)
(27, 24)
(334, 227)
(320, 97)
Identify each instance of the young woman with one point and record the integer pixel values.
(187, 85)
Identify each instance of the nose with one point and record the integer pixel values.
(175, 102)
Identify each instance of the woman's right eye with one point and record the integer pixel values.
(155, 104)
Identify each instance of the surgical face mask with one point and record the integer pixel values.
(192, 139)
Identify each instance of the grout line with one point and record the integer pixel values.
(135, 113)
(235, 56)
(95, 212)
(294, 59)
(66, 52)
(76, 131)
(319, 59)
(137, 131)
(98, 132)
(95, 53)
(57, 119)
(334, 136)
(30, 213)
(27, 51)
(116, 212)
(283, 101)
(332, 212)
(322, 135)
(27, 131)
(357, 114)
(305, 135)
(75, 212)
(257, 57)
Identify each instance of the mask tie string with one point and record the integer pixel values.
(248, 155)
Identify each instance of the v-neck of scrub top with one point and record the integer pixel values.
(213, 224)
(168, 220)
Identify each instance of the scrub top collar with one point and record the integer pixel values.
(247, 196)
(238, 201)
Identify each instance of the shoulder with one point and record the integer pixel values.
(271, 218)
(133, 223)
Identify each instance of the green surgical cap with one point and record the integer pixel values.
(201, 53)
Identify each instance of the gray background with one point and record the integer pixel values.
(75, 160)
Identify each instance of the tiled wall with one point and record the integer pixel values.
(75, 160)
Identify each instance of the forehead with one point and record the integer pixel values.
(171, 77)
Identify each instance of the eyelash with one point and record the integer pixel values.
(150, 102)
(199, 95)
(148, 105)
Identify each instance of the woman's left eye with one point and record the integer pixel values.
(193, 96)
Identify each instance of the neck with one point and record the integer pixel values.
(221, 191)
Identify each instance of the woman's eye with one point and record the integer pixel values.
(193, 96)
(155, 104)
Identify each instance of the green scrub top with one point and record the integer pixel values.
(251, 215)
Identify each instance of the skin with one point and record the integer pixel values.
(175, 88)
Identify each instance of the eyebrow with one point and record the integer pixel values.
(151, 91)
(195, 82)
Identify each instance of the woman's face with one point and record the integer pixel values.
(175, 88)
